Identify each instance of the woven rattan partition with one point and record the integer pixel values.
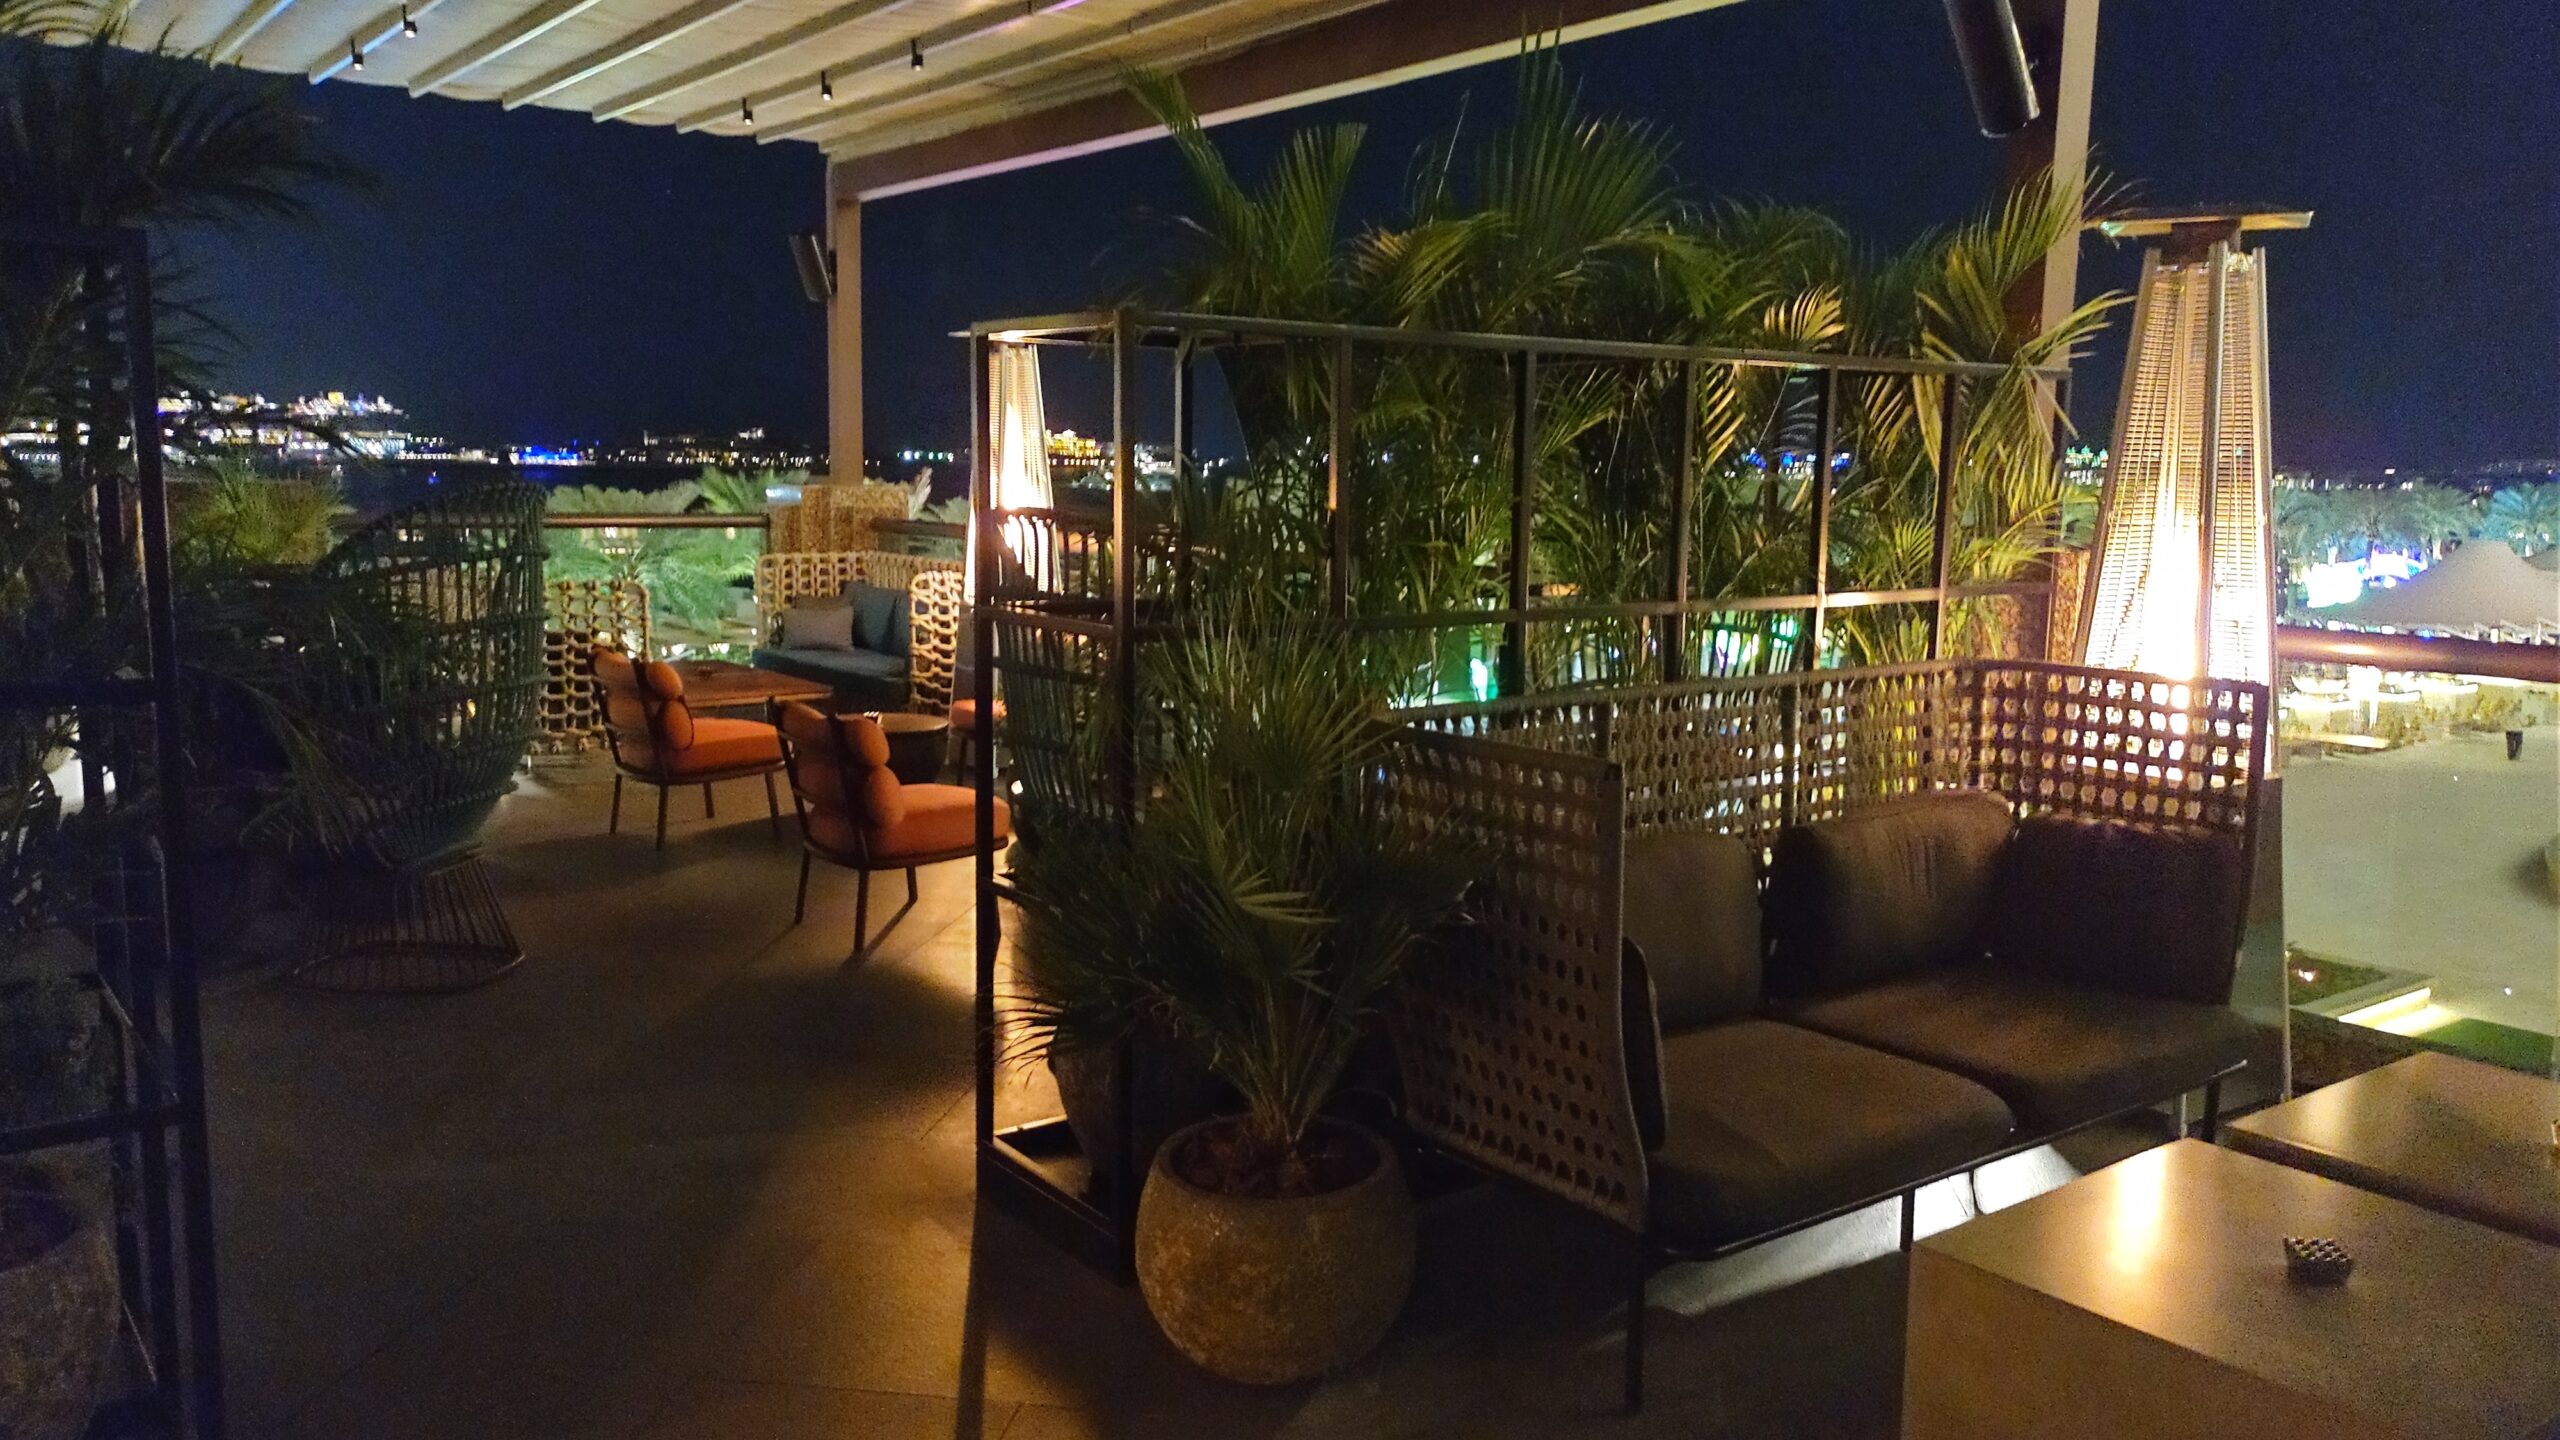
(1509, 1032)
(838, 517)
(448, 720)
(936, 596)
(1511, 1051)
(579, 613)
(786, 577)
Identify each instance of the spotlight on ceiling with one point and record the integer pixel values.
(915, 54)
(1994, 61)
(355, 54)
(408, 22)
(747, 114)
(826, 87)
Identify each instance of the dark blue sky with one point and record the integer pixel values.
(536, 276)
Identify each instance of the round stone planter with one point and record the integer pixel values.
(57, 1307)
(1268, 1291)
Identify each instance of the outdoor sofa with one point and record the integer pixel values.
(1761, 952)
(859, 642)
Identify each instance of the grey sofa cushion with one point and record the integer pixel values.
(2149, 910)
(816, 627)
(2059, 1053)
(1692, 903)
(1888, 890)
(1770, 1124)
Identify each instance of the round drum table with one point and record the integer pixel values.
(917, 745)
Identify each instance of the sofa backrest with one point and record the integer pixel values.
(1883, 891)
(2145, 909)
(1692, 906)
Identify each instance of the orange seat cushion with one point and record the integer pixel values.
(939, 819)
(964, 714)
(725, 745)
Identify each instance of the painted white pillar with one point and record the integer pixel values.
(844, 340)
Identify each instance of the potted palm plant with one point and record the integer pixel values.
(1258, 911)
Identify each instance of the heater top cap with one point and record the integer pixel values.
(2130, 224)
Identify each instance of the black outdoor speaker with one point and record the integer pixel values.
(1995, 65)
(817, 277)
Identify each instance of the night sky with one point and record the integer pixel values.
(535, 276)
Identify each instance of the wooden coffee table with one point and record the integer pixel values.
(2151, 1300)
(2453, 1135)
(727, 685)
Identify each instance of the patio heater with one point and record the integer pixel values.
(2182, 580)
(1019, 452)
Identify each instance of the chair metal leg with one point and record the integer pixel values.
(613, 826)
(2212, 1112)
(1635, 1332)
(772, 807)
(911, 884)
(861, 912)
(662, 817)
(706, 801)
(800, 903)
(1910, 1216)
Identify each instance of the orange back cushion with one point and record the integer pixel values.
(840, 765)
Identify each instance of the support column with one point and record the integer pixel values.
(844, 340)
(2061, 38)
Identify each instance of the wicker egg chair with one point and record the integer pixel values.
(439, 728)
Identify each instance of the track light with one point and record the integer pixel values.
(915, 54)
(408, 22)
(826, 87)
(355, 54)
(747, 114)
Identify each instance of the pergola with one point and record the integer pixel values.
(905, 95)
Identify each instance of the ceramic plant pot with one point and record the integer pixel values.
(1169, 1090)
(1268, 1291)
(57, 1307)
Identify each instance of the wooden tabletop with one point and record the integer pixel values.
(909, 722)
(2164, 1290)
(2451, 1134)
(724, 684)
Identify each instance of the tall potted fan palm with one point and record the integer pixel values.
(93, 135)
(1257, 911)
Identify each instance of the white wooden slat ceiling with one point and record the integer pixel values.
(837, 73)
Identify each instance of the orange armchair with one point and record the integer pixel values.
(658, 740)
(855, 812)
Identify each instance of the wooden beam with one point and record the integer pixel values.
(377, 30)
(531, 25)
(244, 27)
(2061, 39)
(847, 117)
(754, 52)
(961, 31)
(627, 47)
(1386, 44)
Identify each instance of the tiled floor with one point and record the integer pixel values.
(688, 1173)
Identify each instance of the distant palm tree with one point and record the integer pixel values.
(2527, 517)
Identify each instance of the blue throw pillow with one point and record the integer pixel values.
(881, 620)
(873, 606)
